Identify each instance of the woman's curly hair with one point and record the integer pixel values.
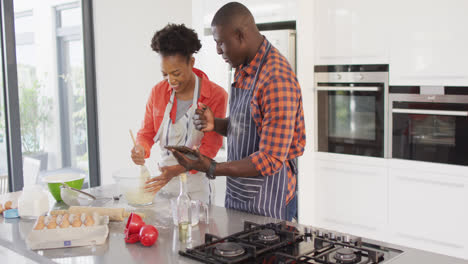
(176, 39)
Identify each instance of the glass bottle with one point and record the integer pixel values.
(184, 211)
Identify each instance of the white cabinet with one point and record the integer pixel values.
(351, 194)
(415, 204)
(428, 42)
(425, 42)
(351, 32)
(427, 206)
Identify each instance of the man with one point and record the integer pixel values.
(265, 130)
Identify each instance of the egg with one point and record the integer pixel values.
(77, 221)
(39, 226)
(65, 224)
(8, 205)
(89, 220)
(51, 225)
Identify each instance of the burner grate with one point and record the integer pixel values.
(248, 246)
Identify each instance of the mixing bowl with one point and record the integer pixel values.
(54, 182)
(131, 185)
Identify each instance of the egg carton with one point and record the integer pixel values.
(48, 238)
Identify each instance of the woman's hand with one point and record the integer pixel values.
(138, 155)
(155, 184)
(203, 118)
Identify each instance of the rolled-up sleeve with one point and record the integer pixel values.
(278, 104)
(146, 134)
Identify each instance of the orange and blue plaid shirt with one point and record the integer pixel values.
(277, 111)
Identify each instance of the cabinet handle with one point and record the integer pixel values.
(347, 88)
(429, 112)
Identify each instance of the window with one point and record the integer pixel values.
(53, 95)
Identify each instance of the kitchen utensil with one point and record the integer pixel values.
(72, 196)
(75, 197)
(144, 173)
(114, 214)
(54, 182)
(148, 235)
(134, 224)
(132, 239)
(129, 182)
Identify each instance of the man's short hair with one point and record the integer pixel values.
(229, 12)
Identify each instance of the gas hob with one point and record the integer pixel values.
(282, 243)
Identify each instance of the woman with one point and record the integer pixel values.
(170, 108)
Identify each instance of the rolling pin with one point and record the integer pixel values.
(115, 214)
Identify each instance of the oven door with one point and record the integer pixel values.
(351, 118)
(430, 131)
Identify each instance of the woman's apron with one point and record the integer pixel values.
(258, 195)
(182, 132)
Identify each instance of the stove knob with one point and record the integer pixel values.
(339, 237)
(308, 234)
(319, 233)
(345, 238)
(356, 241)
(332, 236)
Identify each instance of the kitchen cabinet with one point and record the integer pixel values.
(428, 42)
(427, 206)
(351, 194)
(412, 203)
(351, 32)
(424, 43)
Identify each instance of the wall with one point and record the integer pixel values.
(126, 70)
(305, 69)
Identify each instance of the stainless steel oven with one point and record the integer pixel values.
(351, 106)
(429, 123)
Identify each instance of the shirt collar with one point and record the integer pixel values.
(252, 66)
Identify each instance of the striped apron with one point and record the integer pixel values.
(258, 195)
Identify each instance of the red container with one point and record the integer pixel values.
(132, 239)
(134, 224)
(148, 235)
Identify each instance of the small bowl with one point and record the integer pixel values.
(55, 181)
(131, 185)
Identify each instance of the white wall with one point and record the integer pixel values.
(127, 69)
(305, 75)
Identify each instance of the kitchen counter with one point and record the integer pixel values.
(223, 222)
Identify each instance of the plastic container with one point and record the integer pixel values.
(33, 202)
(131, 186)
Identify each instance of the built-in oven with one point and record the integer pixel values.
(351, 106)
(429, 123)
